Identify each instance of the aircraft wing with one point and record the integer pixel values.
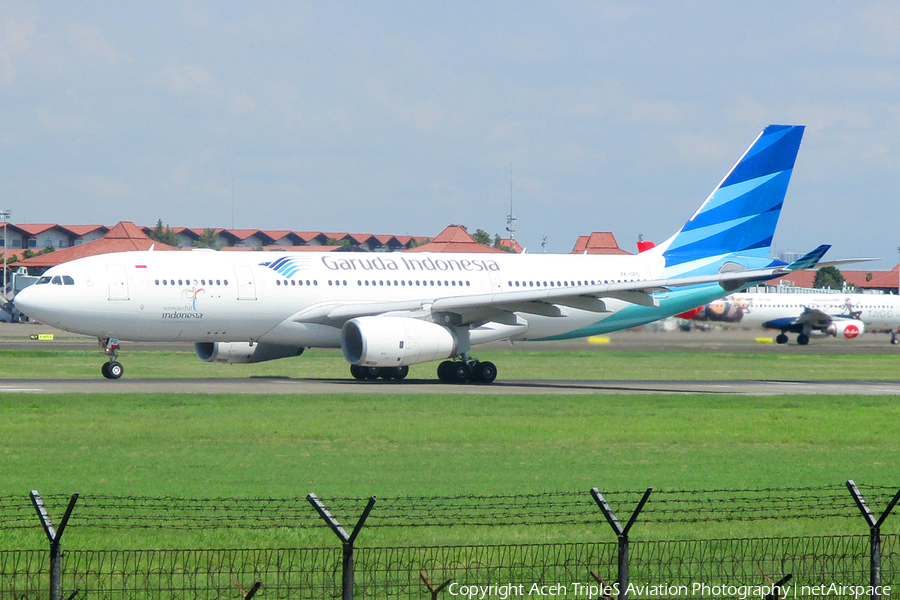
(815, 318)
(481, 308)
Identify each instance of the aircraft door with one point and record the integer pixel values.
(118, 282)
(245, 282)
(495, 282)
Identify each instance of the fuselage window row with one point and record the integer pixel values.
(554, 283)
(296, 282)
(380, 282)
(188, 282)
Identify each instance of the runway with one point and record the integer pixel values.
(695, 341)
(270, 386)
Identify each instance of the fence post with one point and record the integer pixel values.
(874, 535)
(621, 534)
(346, 540)
(433, 590)
(55, 537)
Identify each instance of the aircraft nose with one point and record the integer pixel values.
(29, 303)
(22, 302)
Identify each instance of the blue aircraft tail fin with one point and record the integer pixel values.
(808, 260)
(737, 221)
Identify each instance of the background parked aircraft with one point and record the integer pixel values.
(845, 316)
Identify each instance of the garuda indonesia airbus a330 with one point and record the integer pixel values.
(389, 311)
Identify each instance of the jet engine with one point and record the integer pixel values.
(396, 341)
(233, 353)
(850, 328)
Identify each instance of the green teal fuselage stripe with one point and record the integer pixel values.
(670, 303)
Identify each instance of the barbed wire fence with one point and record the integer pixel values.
(553, 508)
(331, 573)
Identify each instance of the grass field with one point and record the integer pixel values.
(248, 446)
(432, 445)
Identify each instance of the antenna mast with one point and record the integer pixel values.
(511, 218)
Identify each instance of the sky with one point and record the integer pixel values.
(405, 117)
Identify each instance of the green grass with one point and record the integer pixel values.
(431, 445)
(354, 445)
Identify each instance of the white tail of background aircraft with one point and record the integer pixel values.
(388, 311)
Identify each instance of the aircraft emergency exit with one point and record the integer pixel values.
(389, 311)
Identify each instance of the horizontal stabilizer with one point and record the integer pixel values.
(844, 261)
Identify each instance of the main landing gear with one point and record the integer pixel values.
(467, 370)
(397, 373)
(112, 369)
(782, 338)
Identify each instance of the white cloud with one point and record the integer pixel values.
(90, 40)
(17, 30)
(180, 78)
(242, 104)
(61, 123)
(880, 23)
(104, 188)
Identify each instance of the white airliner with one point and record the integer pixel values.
(388, 311)
(846, 316)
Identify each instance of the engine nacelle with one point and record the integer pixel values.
(395, 341)
(849, 329)
(234, 353)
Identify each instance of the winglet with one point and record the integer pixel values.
(808, 260)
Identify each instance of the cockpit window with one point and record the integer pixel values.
(56, 280)
(42, 280)
(68, 280)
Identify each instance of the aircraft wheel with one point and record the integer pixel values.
(895, 339)
(802, 339)
(104, 369)
(443, 371)
(451, 371)
(399, 373)
(459, 372)
(781, 339)
(485, 372)
(357, 372)
(113, 370)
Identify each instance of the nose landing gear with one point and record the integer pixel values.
(112, 369)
